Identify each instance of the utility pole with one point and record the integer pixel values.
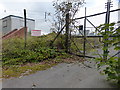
(107, 20)
(25, 28)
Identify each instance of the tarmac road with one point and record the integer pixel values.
(74, 75)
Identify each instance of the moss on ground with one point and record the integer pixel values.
(30, 68)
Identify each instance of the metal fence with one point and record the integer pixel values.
(84, 37)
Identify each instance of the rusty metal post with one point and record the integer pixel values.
(119, 45)
(25, 28)
(84, 45)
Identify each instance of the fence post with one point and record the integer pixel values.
(25, 28)
(84, 45)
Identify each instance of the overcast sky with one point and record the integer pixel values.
(37, 8)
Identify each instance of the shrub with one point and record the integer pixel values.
(111, 63)
(37, 50)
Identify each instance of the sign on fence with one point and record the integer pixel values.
(35, 32)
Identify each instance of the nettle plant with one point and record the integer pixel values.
(111, 63)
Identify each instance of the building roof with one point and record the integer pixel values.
(17, 17)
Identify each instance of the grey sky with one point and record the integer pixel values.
(37, 8)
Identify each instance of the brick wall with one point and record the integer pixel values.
(15, 33)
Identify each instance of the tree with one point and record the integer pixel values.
(63, 7)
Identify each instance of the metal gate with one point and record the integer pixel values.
(84, 37)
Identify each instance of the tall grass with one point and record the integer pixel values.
(37, 50)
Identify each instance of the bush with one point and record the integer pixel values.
(111, 63)
(37, 50)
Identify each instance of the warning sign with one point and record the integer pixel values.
(35, 32)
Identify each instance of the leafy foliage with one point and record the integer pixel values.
(37, 50)
(112, 64)
(20, 61)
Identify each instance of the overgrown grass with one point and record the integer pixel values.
(37, 50)
(38, 55)
(29, 68)
(19, 71)
(91, 44)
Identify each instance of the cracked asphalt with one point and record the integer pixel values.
(75, 75)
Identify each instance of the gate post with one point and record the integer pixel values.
(119, 44)
(119, 59)
(25, 28)
(84, 45)
(67, 33)
(107, 20)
